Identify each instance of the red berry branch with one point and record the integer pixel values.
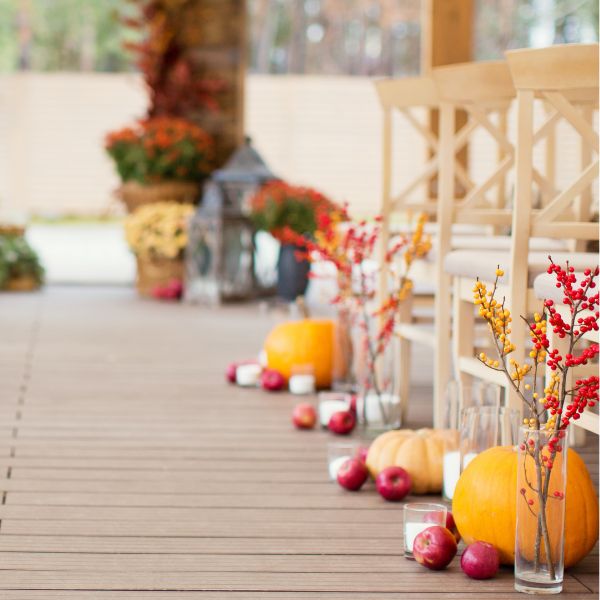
(552, 410)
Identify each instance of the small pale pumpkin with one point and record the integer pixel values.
(485, 504)
(304, 342)
(420, 452)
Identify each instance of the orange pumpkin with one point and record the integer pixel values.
(304, 342)
(420, 452)
(485, 504)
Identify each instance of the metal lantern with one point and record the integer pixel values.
(222, 258)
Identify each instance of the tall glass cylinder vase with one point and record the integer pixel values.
(378, 404)
(541, 488)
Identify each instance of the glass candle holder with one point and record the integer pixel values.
(248, 375)
(337, 454)
(302, 380)
(484, 427)
(330, 403)
(418, 516)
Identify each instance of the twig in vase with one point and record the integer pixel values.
(561, 404)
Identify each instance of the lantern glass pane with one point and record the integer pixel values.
(202, 258)
(237, 280)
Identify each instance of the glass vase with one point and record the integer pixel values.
(343, 377)
(378, 405)
(541, 488)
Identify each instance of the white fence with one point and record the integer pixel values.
(318, 131)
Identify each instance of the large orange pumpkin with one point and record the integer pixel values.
(304, 342)
(485, 504)
(420, 452)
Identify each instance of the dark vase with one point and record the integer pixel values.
(292, 273)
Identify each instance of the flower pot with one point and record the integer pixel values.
(292, 273)
(134, 194)
(157, 272)
(23, 283)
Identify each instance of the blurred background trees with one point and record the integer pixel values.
(330, 37)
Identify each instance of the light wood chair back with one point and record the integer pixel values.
(565, 78)
(484, 91)
(405, 96)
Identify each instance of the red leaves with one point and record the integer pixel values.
(175, 84)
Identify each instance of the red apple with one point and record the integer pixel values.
(353, 403)
(230, 372)
(435, 547)
(393, 483)
(304, 416)
(342, 422)
(480, 560)
(174, 289)
(450, 524)
(352, 474)
(362, 453)
(272, 380)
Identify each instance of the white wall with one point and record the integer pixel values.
(320, 131)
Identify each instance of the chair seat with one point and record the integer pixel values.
(496, 242)
(483, 263)
(544, 285)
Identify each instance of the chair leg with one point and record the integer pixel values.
(442, 370)
(463, 333)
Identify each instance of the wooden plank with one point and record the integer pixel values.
(473, 594)
(426, 581)
(382, 514)
(201, 527)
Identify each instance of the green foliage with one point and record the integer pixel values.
(18, 259)
(65, 35)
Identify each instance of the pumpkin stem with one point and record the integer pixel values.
(302, 308)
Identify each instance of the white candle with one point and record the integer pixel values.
(248, 375)
(302, 384)
(335, 464)
(411, 531)
(451, 472)
(328, 407)
(467, 458)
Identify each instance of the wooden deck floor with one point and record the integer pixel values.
(131, 471)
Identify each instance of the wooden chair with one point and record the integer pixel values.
(483, 91)
(565, 78)
(406, 97)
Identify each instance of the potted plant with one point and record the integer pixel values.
(20, 268)
(160, 159)
(290, 212)
(157, 234)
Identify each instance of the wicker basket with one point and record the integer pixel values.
(24, 283)
(134, 194)
(155, 272)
